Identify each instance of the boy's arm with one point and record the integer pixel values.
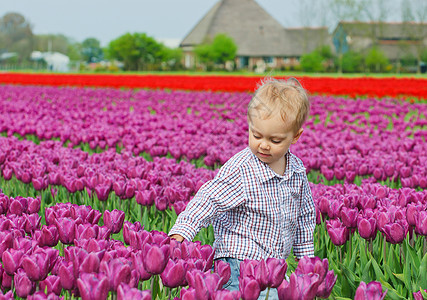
(303, 244)
(218, 195)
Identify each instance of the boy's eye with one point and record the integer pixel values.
(276, 142)
(255, 136)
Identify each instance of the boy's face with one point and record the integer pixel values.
(270, 138)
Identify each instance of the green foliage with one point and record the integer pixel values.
(16, 35)
(352, 62)
(91, 50)
(312, 62)
(375, 60)
(137, 51)
(317, 60)
(219, 51)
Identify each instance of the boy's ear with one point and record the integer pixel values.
(297, 135)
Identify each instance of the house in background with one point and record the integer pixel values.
(55, 61)
(395, 40)
(261, 40)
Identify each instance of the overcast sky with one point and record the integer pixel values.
(163, 19)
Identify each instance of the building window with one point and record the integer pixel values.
(268, 59)
(244, 61)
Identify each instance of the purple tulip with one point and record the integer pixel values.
(125, 292)
(349, 217)
(271, 273)
(91, 262)
(137, 261)
(367, 228)
(12, 259)
(145, 197)
(48, 236)
(249, 288)
(66, 276)
(32, 222)
(93, 286)
(24, 286)
(325, 288)
(395, 233)
(372, 291)
(302, 287)
(224, 271)
(36, 265)
(114, 220)
(7, 296)
(155, 257)
(174, 274)
(66, 230)
(102, 191)
(127, 228)
(40, 295)
(335, 207)
(421, 223)
(117, 270)
(204, 284)
(86, 231)
(33, 205)
(52, 284)
(337, 232)
(418, 295)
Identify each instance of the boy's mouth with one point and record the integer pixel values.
(263, 154)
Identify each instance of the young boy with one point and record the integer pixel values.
(259, 203)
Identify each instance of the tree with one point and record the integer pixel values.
(137, 51)
(376, 60)
(312, 62)
(51, 43)
(352, 62)
(219, 51)
(16, 35)
(91, 50)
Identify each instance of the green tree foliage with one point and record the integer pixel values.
(220, 50)
(376, 60)
(317, 60)
(352, 62)
(91, 50)
(16, 35)
(137, 51)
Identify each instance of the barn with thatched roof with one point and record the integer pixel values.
(260, 39)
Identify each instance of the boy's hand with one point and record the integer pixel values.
(177, 237)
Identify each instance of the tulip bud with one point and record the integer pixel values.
(155, 258)
(24, 286)
(174, 274)
(93, 286)
(372, 290)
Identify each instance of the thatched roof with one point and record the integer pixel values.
(306, 39)
(255, 32)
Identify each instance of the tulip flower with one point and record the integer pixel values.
(66, 230)
(24, 286)
(117, 270)
(299, 287)
(249, 288)
(48, 236)
(337, 232)
(114, 220)
(367, 228)
(6, 296)
(325, 288)
(125, 292)
(93, 286)
(102, 191)
(33, 205)
(271, 273)
(395, 233)
(91, 263)
(36, 265)
(224, 271)
(421, 223)
(52, 284)
(373, 290)
(174, 274)
(155, 257)
(349, 217)
(145, 197)
(418, 295)
(138, 264)
(66, 275)
(12, 259)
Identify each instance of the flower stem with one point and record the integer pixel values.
(268, 292)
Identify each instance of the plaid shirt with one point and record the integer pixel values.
(255, 212)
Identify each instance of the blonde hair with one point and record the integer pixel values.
(286, 95)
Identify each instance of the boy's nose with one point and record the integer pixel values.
(264, 145)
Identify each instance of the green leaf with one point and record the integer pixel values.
(422, 274)
(377, 269)
(391, 293)
(407, 275)
(363, 257)
(423, 293)
(391, 276)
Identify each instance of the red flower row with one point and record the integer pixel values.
(378, 87)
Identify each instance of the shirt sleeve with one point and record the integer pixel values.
(218, 195)
(304, 244)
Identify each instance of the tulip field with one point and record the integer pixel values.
(94, 175)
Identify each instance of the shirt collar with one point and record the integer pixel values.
(265, 173)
